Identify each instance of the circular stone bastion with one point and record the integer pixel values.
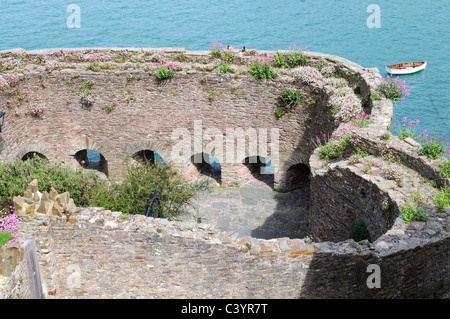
(331, 139)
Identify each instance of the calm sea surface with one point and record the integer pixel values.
(410, 31)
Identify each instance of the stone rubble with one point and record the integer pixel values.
(49, 204)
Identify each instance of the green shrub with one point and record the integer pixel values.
(279, 112)
(16, 176)
(334, 148)
(140, 181)
(359, 231)
(361, 153)
(319, 65)
(375, 96)
(5, 203)
(410, 213)
(444, 168)
(442, 199)
(224, 67)
(290, 97)
(432, 149)
(4, 238)
(88, 189)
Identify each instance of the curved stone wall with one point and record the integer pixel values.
(413, 257)
(134, 111)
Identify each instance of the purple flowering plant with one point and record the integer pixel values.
(9, 227)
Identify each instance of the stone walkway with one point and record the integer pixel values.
(100, 255)
(259, 212)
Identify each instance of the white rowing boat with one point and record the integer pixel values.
(406, 68)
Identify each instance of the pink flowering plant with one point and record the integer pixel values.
(94, 58)
(261, 67)
(295, 56)
(289, 97)
(334, 147)
(224, 67)
(12, 79)
(406, 128)
(394, 89)
(95, 62)
(225, 54)
(3, 83)
(362, 120)
(9, 227)
(37, 110)
(87, 99)
(165, 70)
(433, 146)
(8, 81)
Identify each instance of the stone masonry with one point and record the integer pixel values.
(240, 242)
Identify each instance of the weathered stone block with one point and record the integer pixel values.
(19, 205)
(37, 196)
(33, 187)
(45, 207)
(57, 210)
(28, 194)
(30, 210)
(53, 193)
(44, 197)
(10, 257)
(71, 207)
(62, 199)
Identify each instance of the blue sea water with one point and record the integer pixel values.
(409, 31)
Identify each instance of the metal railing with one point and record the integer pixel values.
(152, 208)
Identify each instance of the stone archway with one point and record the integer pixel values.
(297, 176)
(256, 171)
(206, 165)
(93, 160)
(31, 151)
(148, 156)
(145, 148)
(30, 155)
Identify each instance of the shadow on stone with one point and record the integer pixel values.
(258, 171)
(207, 165)
(348, 275)
(289, 218)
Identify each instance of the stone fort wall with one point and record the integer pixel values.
(147, 113)
(414, 257)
